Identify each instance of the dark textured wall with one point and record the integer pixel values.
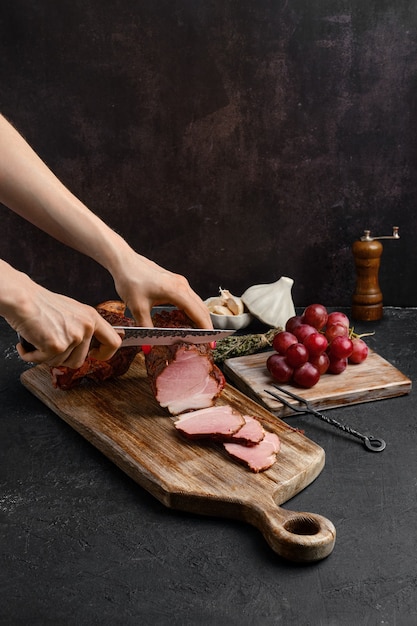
(231, 141)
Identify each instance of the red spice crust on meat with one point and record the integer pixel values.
(66, 378)
(172, 318)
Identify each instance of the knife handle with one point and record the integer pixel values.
(26, 345)
(29, 347)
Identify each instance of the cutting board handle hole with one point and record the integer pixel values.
(302, 525)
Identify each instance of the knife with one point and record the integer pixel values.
(141, 336)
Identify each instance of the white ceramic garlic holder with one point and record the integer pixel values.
(271, 303)
(227, 311)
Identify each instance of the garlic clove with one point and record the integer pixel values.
(213, 302)
(225, 300)
(271, 303)
(222, 310)
(235, 305)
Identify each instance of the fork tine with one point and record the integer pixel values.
(292, 395)
(293, 407)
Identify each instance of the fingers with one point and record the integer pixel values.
(177, 292)
(73, 351)
(199, 315)
(187, 300)
(142, 316)
(108, 342)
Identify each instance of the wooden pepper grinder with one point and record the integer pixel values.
(367, 298)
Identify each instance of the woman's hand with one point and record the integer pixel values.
(61, 328)
(142, 284)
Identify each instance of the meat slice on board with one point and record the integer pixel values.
(216, 422)
(251, 433)
(220, 422)
(259, 457)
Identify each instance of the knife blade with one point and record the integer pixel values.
(142, 336)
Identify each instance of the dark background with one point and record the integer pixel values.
(230, 141)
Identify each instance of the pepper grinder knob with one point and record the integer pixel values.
(367, 302)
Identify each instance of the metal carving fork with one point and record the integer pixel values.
(374, 444)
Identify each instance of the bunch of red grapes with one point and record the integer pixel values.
(312, 344)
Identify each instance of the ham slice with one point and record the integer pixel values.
(221, 422)
(183, 377)
(243, 436)
(250, 434)
(216, 422)
(259, 457)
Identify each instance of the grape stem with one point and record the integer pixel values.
(353, 335)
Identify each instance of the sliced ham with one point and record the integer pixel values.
(184, 377)
(223, 423)
(259, 457)
(216, 422)
(250, 434)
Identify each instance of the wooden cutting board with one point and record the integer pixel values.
(122, 419)
(374, 379)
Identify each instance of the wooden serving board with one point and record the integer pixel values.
(122, 419)
(374, 379)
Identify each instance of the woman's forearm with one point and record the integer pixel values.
(29, 188)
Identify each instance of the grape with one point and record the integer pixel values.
(322, 362)
(282, 341)
(338, 318)
(296, 355)
(336, 330)
(312, 344)
(316, 315)
(341, 348)
(293, 322)
(316, 344)
(306, 375)
(359, 352)
(302, 331)
(279, 368)
(337, 366)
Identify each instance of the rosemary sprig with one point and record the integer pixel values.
(240, 345)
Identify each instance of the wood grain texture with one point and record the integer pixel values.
(374, 379)
(122, 419)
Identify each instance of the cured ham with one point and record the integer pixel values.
(216, 422)
(183, 377)
(250, 434)
(223, 423)
(243, 436)
(67, 378)
(259, 457)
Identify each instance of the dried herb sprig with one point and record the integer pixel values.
(240, 345)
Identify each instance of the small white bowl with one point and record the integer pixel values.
(231, 322)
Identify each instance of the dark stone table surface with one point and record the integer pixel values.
(81, 543)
